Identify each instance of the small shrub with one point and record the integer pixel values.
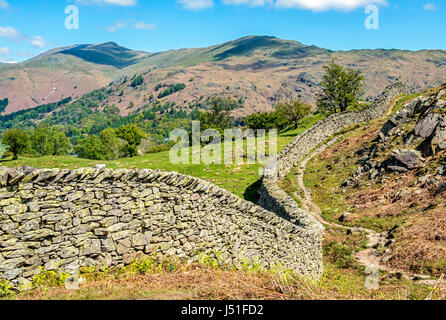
(50, 278)
(340, 255)
(6, 289)
(206, 260)
(139, 80)
(153, 264)
(144, 266)
(171, 90)
(250, 266)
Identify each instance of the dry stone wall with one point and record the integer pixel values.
(272, 197)
(67, 219)
(72, 218)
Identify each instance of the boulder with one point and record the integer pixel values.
(440, 133)
(426, 126)
(408, 158)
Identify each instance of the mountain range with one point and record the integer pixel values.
(258, 70)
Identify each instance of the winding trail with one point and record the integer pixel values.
(368, 257)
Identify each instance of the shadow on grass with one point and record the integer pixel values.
(287, 135)
(252, 192)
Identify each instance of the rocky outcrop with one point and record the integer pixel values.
(430, 129)
(74, 218)
(416, 132)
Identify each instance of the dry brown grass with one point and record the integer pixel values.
(368, 134)
(422, 245)
(197, 282)
(192, 282)
(390, 199)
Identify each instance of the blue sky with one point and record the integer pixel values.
(29, 27)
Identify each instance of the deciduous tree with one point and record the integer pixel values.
(17, 141)
(293, 112)
(342, 87)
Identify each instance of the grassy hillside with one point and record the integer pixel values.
(407, 208)
(251, 46)
(261, 70)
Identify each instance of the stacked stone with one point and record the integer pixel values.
(273, 198)
(66, 219)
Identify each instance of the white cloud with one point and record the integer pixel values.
(143, 26)
(37, 42)
(16, 35)
(122, 3)
(196, 4)
(250, 3)
(7, 61)
(4, 4)
(324, 5)
(140, 25)
(314, 5)
(117, 26)
(5, 51)
(10, 32)
(430, 7)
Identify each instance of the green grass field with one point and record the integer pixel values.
(243, 180)
(2, 149)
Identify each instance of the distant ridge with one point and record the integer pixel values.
(108, 53)
(260, 71)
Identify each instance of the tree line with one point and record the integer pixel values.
(46, 140)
